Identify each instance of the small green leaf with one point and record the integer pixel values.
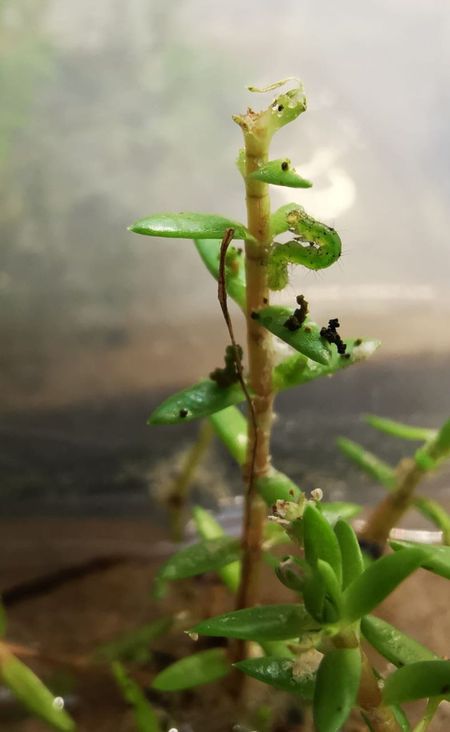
(367, 461)
(435, 558)
(200, 400)
(421, 680)
(279, 673)
(209, 250)
(293, 572)
(378, 581)
(335, 510)
(135, 645)
(277, 486)
(435, 513)
(307, 339)
(399, 429)
(320, 541)
(188, 226)
(195, 670)
(280, 173)
(269, 622)
(31, 692)
(352, 559)
(205, 556)
(333, 594)
(440, 445)
(209, 528)
(336, 688)
(397, 647)
(230, 426)
(145, 718)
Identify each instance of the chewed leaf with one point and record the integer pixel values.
(367, 461)
(280, 173)
(399, 429)
(269, 622)
(422, 680)
(209, 250)
(434, 558)
(186, 225)
(279, 673)
(307, 339)
(200, 400)
(32, 693)
(230, 426)
(397, 647)
(205, 556)
(435, 513)
(378, 581)
(336, 688)
(195, 670)
(145, 718)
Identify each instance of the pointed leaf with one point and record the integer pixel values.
(333, 594)
(200, 400)
(367, 461)
(352, 559)
(207, 555)
(195, 670)
(209, 528)
(209, 250)
(145, 718)
(269, 622)
(399, 429)
(440, 446)
(280, 173)
(230, 426)
(435, 513)
(307, 339)
(31, 692)
(378, 581)
(336, 688)
(279, 673)
(320, 541)
(186, 225)
(421, 680)
(434, 558)
(397, 647)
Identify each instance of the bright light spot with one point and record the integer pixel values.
(58, 702)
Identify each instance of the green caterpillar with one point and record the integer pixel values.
(316, 245)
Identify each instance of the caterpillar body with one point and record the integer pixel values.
(315, 246)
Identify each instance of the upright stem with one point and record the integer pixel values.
(259, 348)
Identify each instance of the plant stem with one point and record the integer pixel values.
(259, 345)
(389, 511)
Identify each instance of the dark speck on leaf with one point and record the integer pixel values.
(183, 413)
(280, 107)
(284, 165)
(358, 341)
(254, 315)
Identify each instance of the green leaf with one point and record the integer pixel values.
(399, 429)
(277, 486)
(320, 541)
(333, 511)
(421, 680)
(352, 559)
(200, 400)
(209, 528)
(397, 647)
(336, 688)
(31, 692)
(269, 622)
(333, 594)
(296, 370)
(435, 558)
(230, 426)
(440, 445)
(195, 670)
(378, 581)
(188, 226)
(307, 339)
(279, 673)
(293, 572)
(209, 250)
(280, 173)
(145, 718)
(135, 645)
(367, 461)
(435, 513)
(205, 556)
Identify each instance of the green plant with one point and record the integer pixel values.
(311, 648)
